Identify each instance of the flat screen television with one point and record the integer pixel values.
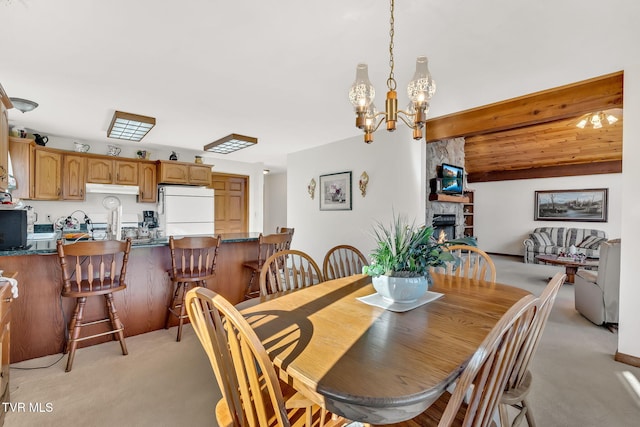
(452, 179)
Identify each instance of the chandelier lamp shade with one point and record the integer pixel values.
(419, 90)
(596, 120)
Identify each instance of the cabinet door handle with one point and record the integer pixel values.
(7, 299)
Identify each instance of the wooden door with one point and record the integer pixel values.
(47, 175)
(231, 203)
(73, 176)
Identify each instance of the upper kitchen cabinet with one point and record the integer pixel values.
(22, 151)
(109, 171)
(172, 172)
(147, 181)
(47, 175)
(5, 104)
(73, 177)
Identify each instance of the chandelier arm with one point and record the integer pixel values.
(406, 118)
(379, 122)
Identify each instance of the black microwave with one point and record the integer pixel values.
(13, 229)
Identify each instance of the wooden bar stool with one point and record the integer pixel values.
(289, 230)
(96, 268)
(193, 262)
(267, 246)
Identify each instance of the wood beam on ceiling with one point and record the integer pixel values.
(595, 168)
(572, 100)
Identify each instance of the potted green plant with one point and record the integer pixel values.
(404, 254)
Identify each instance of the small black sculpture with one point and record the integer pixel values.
(41, 140)
(173, 156)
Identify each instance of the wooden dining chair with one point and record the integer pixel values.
(252, 395)
(289, 230)
(342, 261)
(288, 270)
(89, 269)
(267, 245)
(519, 383)
(471, 262)
(193, 262)
(477, 393)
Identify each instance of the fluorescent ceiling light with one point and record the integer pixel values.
(132, 127)
(230, 143)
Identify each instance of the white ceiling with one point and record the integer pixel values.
(280, 70)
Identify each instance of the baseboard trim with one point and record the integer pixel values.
(627, 359)
(508, 255)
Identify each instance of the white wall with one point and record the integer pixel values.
(93, 203)
(394, 165)
(629, 328)
(275, 201)
(503, 211)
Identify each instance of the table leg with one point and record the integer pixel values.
(571, 272)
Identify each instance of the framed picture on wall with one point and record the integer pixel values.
(335, 192)
(572, 205)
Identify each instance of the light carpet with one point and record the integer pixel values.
(162, 382)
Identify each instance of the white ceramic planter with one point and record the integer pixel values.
(400, 289)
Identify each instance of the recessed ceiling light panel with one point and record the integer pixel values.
(230, 143)
(132, 127)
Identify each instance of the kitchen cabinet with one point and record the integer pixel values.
(172, 172)
(47, 175)
(108, 171)
(5, 104)
(21, 150)
(5, 340)
(73, 177)
(147, 181)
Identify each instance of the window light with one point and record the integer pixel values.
(132, 127)
(230, 143)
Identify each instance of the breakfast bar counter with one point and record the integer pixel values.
(40, 315)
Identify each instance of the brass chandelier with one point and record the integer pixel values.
(420, 90)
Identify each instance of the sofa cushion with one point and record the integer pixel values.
(557, 234)
(592, 242)
(576, 235)
(541, 239)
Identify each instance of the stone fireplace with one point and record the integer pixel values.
(451, 213)
(444, 226)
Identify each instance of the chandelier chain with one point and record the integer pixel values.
(391, 81)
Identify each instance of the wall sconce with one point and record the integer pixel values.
(364, 180)
(311, 188)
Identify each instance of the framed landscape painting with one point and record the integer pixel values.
(335, 192)
(572, 205)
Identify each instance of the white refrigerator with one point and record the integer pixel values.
(185, 210)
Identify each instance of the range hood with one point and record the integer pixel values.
(112, 189)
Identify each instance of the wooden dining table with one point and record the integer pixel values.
(370, 364)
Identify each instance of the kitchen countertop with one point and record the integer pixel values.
(48, 246)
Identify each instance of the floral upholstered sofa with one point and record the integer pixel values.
(555, 240)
